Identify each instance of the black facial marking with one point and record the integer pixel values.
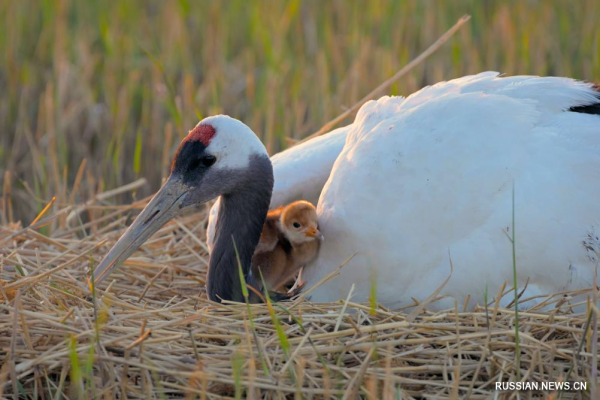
(191, 161)
(189, 151)
(593, 108)
(194, 164)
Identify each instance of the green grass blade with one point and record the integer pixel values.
(137, 155)
(283, 340)
(237, 365)
(373, 295)
(298, 321)
(249, 309)
(515, 283)
(75, 372)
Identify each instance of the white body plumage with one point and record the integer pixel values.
(423, 181)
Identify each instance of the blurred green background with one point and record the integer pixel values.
(119, 83)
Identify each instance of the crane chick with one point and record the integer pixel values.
(289, 240)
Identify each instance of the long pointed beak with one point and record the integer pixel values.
(165, 204)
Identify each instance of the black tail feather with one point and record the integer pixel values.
(589, 108)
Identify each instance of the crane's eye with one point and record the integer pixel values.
(204, 161)
(208, 160)
(296, 225)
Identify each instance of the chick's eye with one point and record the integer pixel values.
(296, 225)
(208, 160)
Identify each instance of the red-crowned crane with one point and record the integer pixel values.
(413, 185)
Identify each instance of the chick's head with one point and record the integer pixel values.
(299, 222)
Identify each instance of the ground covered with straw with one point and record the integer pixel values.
(150, 331)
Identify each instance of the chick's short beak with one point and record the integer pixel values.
(314, 233)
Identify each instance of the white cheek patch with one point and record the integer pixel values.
(231, 154)
(233, 144)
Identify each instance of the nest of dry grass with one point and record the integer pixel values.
(152, 333)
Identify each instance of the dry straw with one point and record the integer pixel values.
(150, 332)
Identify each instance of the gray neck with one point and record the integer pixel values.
(241, 218)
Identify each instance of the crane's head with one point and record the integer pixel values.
(218, 157)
